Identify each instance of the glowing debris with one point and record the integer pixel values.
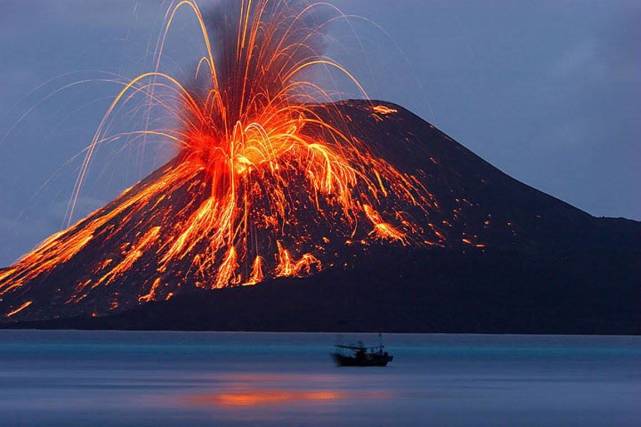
(19, 309)
(384, 110)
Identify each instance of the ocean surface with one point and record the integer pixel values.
(69, 378)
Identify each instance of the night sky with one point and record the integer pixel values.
(548, 91)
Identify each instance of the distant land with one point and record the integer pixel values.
(512, 260)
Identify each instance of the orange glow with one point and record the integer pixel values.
(19, 309)
(152, 292)
(289, 267)
(257, 274)
(384, 110)
(266, 397)
(382, 229)
(131, 257)
(267, 180)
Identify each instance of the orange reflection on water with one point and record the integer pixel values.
(267, 397)
(260, 397)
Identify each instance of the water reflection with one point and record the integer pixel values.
(262, 389)
(264, 397)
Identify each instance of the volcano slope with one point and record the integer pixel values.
(495, 256)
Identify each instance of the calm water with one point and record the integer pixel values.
(217, 379)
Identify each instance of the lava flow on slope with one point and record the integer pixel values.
(270, 178)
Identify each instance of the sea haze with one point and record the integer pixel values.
(68, 378)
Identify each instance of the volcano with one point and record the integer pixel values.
(274, 181)
(493, 255)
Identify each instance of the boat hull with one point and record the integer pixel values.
(370, 360)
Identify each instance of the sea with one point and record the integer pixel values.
(106, 378)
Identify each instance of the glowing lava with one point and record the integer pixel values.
(265, 176)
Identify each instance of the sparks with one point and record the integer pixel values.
(19, 309)
(266, 172)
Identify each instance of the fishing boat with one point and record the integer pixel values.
(359, 355)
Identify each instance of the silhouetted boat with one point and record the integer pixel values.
(359, 355)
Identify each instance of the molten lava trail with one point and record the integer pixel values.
(268, 178)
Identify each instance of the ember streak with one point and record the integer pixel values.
(269, 180)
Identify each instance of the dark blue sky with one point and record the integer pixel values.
(548, 91)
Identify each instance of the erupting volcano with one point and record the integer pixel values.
(272, 178)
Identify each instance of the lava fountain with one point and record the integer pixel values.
(268, 179)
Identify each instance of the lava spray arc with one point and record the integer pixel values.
(267, 180)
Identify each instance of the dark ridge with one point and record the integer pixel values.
(547, 266)
(584, 292)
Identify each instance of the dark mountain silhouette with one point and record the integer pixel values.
(508, 258)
